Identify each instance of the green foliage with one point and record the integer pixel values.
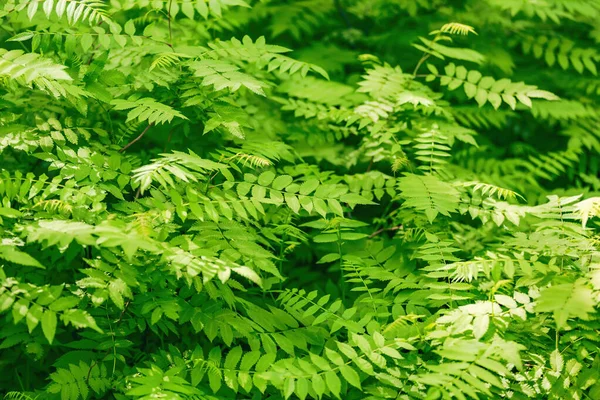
(486, 89)
(191, 210)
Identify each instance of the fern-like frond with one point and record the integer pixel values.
(18, 396)
(207, 9)
(167, 60)
(74, 10)
(264, 55)
(428, 194)
(252, 160)
(55, 205)
(562, 51)
(80, 379)
(401, 322)
(399, 163)
(549, 165)
(481, 117)
(432, 149)
(487, 89)
(147, 109)
(491, 190)
(384, 81)
(31, 68)
(587, 209)
(456, 28)
(186, 167)
(222, 74)
(554, 11)
(562, 110)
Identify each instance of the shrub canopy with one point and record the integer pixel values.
(402, 207)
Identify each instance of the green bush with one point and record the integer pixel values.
(401, 208)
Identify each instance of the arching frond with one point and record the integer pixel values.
(456, 28)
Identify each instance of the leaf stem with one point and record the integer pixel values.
(377, 232)
(170, 29)
(137, 138)
(343, 278)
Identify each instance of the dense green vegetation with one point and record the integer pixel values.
(402, 207)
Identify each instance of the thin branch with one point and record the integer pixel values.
(170, 30)
(137, 138)
(90, 371)
(370, 164)
(421, 61)
(377, 232)
(93, 50)
(123, 312)
(425, 55)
